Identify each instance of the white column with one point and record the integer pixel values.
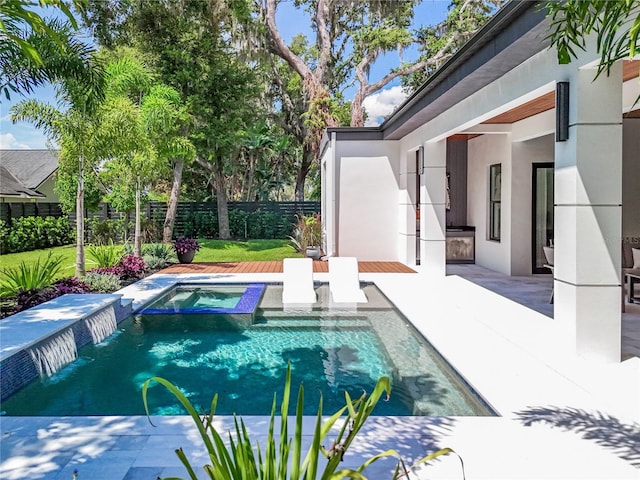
(407, 209)
(432, 210)
(588, 197)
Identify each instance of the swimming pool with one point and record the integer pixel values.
(331, 350)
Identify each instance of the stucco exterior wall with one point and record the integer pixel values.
(367, 180)
(524, 155)
(328, 213)
(483, 152)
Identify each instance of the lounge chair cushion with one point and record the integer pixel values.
(636, 257)
(628, 243)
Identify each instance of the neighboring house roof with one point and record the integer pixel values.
(22, 172)
(11, 186)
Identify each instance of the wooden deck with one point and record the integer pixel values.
(276, 267)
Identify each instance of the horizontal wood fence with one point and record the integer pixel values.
(28, 209)
(192, 218)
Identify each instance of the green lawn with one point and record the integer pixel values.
(210, 251)
(250, 250)
(11, 260)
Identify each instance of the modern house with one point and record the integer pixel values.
(501, 152)
(27, 175)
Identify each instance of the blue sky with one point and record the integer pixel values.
(290, 22)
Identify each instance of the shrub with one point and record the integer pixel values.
(237, 219)
(159, 250)
(131, 268)
(150, 230)
(30, 276)
(254, 225)
(102, 282)
(58, 231)
(205, 224)
(270, 222)
(31, 233)
(154, 263)
(106, 255)
(238, 460)
(101, 232)
(307, 231)
(185, 244)
(71, 285)
(35, 296)
(27, 298)
(115, 270)
(5, 245)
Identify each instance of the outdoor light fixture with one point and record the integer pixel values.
(562, 111)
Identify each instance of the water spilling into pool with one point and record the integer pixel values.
(102, 324)
(55, 353)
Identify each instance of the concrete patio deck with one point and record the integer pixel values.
(561, 418)
(534, 292)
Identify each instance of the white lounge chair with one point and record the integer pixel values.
(297, 286)
(344, 281)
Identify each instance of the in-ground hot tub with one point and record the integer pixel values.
(233, 304)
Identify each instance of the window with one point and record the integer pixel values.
(495, 185)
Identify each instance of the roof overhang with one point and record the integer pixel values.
(517, 32)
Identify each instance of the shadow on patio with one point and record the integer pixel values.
(533, 292)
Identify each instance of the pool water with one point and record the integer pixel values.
(330, 353)
(203, 297)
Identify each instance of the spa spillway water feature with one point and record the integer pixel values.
(332, 349)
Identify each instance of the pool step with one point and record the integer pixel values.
(310, 322)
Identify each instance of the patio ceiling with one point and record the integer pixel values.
(547, 101)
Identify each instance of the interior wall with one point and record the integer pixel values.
(484, 151)
(631, 177)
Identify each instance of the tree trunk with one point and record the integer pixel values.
(221, 197)
(137, 240)
(80, 270)
(172, 206)
(357, 110)
(303, 170)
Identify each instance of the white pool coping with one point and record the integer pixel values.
(27, 328)
(561, 417)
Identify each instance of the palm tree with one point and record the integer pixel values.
(34, 51)
(616, 24)
(74, 126)
(143, 122)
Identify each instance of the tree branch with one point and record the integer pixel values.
(279, 46)
(324, 41)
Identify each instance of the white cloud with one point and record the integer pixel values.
(9, 142)
(381, 104)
